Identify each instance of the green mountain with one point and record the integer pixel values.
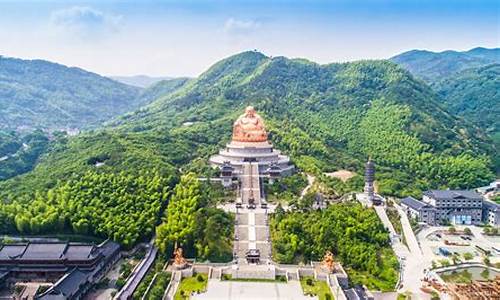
(474, 94)
(142, 81)
(327, 117)
(37, 93)
(434, 66)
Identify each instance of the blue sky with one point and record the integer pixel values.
(183, 38)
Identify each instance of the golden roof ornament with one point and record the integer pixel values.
(179, 260)
(328, 262)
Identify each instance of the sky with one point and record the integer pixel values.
(184, 38)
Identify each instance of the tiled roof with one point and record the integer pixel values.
(413, 203)
(79, 252)
(51, 251)
(38, 251)
(452, 194)
(67, 286)
(11, 251)
(491, 205)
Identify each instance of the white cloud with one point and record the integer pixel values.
(236, 26)
(84, 21)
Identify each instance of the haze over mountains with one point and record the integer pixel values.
(142, 81)
(326, 117)
(38, 93)
(433, 66)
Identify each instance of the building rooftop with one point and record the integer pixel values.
(50, 251)
(11, 251)
(452, 194)
(76, 252)
(46, 251)
(413, 203)
(67, 286)
(491, 205)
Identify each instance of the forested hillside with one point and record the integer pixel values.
(474, 94)
(329, 117)
(434, 66)
(142, 81)
(19, 153)
(326, 117)
(468, 83)
(41, 94)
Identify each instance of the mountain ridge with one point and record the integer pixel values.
(326, 117)
(432, 66)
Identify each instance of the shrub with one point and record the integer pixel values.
(199, 278)
(120, 282)
(468, 256)
(309, 281)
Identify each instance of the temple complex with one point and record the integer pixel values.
(250, 146)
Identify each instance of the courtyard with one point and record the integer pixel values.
(248, 290)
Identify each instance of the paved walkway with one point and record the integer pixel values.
(411, 258)
(416, 263)
(251, 230)
(239, 290)
(310, 182)
(137, 274)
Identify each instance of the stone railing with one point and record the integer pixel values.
(335, 288)
(463, 266)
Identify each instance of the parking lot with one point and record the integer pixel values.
(439, 244)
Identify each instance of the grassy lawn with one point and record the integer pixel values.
(159, 286)
(311, 286)
(457, 277)
(197, 283)
(226, 277)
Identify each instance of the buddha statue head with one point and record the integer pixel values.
(249, 127)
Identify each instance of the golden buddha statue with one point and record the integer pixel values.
(249, 127)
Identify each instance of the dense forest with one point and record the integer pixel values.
(41, 94)
(124, 207)
(475, 95)
(19, 153)
(467, 82)
(352, 233)
(192, 222)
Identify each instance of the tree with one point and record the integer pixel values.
(179, 224)
(468, 256)
(467, 231)
(452, 230)
(455, 258)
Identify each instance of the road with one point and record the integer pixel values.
(416, 263)
(411, 258)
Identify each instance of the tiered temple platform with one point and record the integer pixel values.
(262, 153)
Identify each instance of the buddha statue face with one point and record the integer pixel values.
(250, 112)
(249, 127)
